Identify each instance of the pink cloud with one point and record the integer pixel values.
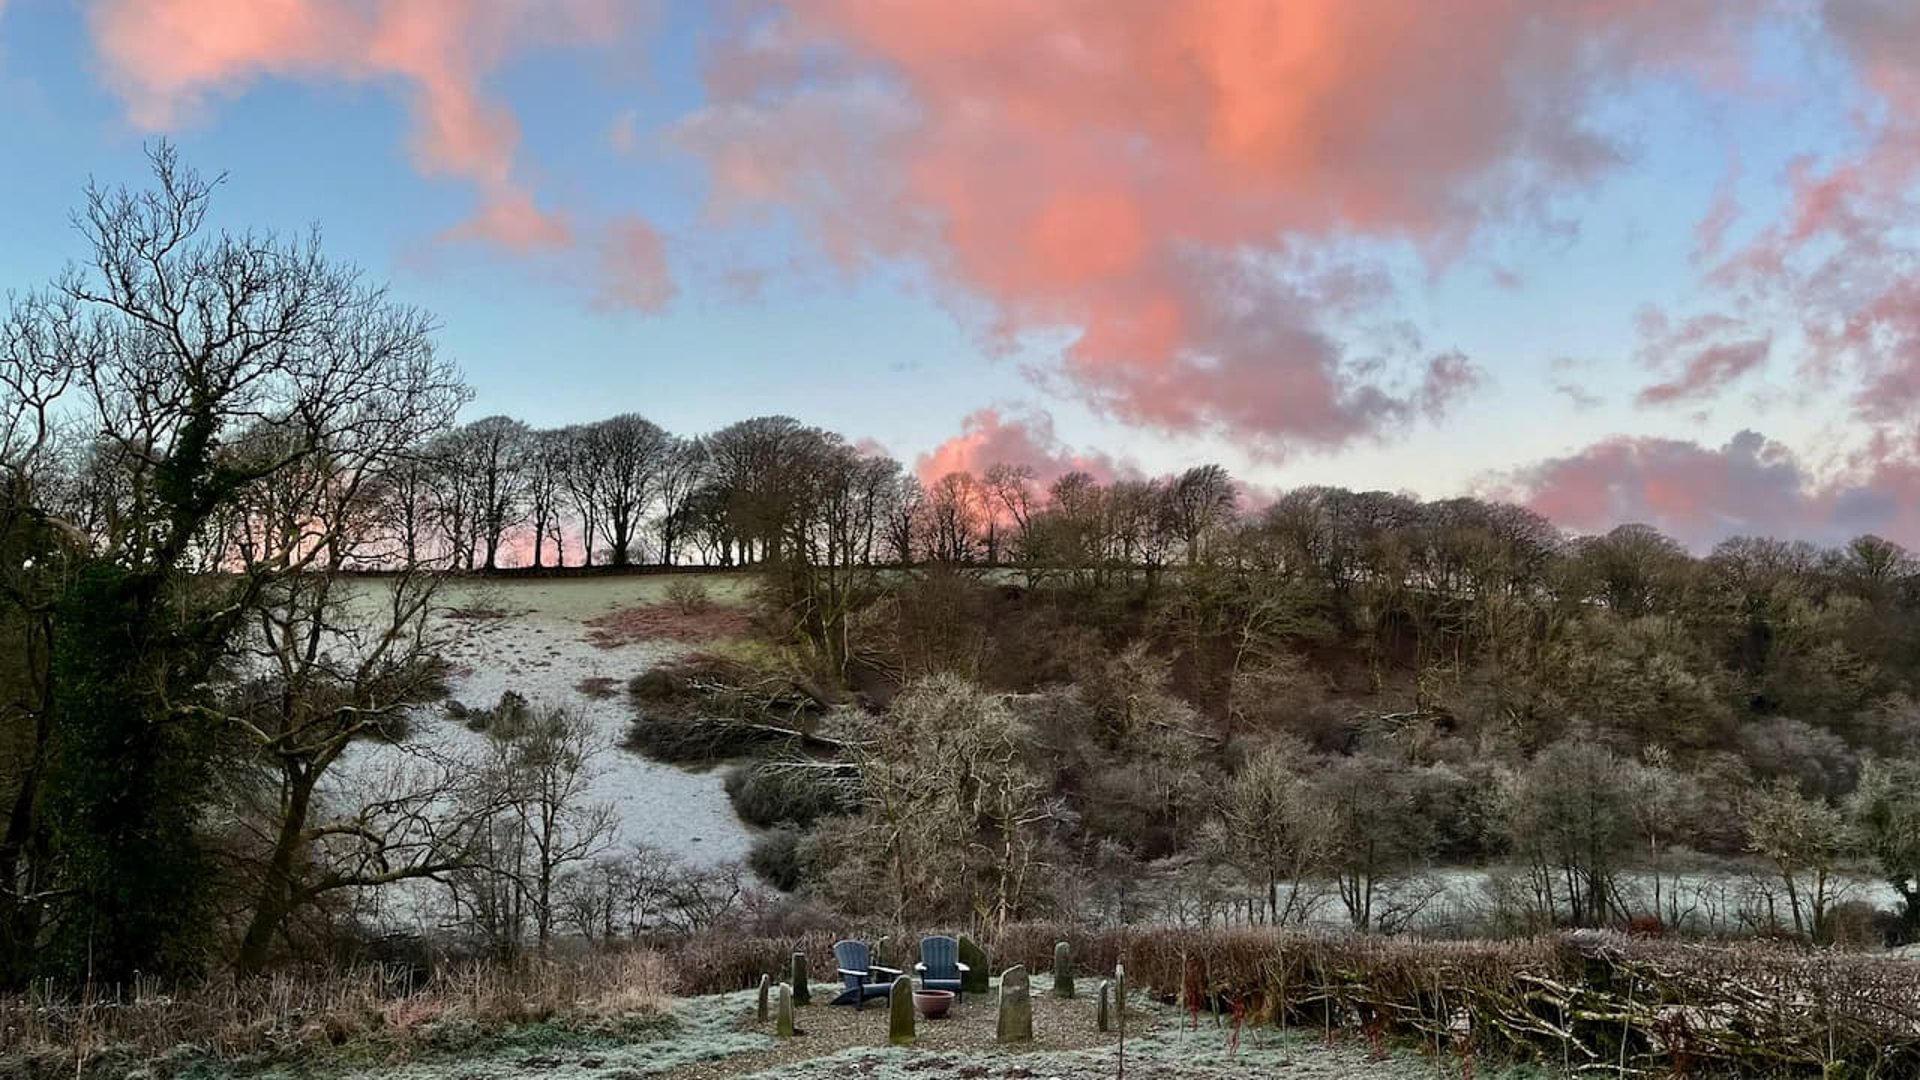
(1838, 260)
(1707, 367)
(511, 220)
(168, 59)
(1156, 178)
(989, 437)
(1700, 494)
(632, 269)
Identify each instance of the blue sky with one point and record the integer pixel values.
(892, 344)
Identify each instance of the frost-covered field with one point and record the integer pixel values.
(540, 649)
(532, 637)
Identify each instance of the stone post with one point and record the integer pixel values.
(766, 985)
(900, 1012)
(783, 1018)
(975, 957)
(1015, 1019)
(1063, 970)
(799, 976)
(1101, 1020)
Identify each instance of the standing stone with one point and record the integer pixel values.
(1101, 1019)
(1120, 995)
(766, 984)
(783, 1019)
(1063, 970)
(1015, 1020)
(975, 957)
(900, 1012)
(799, 977)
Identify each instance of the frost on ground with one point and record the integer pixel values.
(533, 637)
(693, 1030)
(1178, 1055)
(718, 1038)
(1163, 1046)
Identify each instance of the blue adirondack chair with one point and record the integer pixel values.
(940, 967)
(860, 977)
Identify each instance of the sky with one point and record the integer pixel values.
(1619, 260)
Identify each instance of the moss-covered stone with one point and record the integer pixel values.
(900, 1012)
(1014, 1022)
(975, 980)
(797, 975)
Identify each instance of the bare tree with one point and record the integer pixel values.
(840, 503)
(1010, 490)
(956, 812)
(494, 455)
(750, 462)
(1273, 839)
(1568, 814)
(629, 453)
(955, 509)
(36, 550)
(1805, 839)
(332, 662)
(454, 497)
(1199, 504)
(584, 479)
(540, 776)
(546, 487)
(1370, 829)
(683, 470)
(213, 366)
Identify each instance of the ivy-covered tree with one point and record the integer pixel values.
(176, 340)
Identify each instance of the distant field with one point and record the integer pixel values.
(532, 636)
(582, 598)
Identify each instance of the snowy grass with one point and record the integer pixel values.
(1164, 1051)
(579, 599)
(540, 647)
(691, 1030)
(475, 1039)
(289, 1023)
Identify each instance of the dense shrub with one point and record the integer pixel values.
(684, 739)
(689, 595)
(769, 793)
(502, 716)
(776, 858)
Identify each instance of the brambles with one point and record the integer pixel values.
(689, 595)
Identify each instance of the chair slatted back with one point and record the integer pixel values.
(942, 957)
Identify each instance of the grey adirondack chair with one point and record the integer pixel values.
(940, 967)
(860, 977)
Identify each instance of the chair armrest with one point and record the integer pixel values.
(846, 971)
(920, 966)
(962, 967)
(891, 972)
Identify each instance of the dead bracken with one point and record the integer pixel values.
(673, 622)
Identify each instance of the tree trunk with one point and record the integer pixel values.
(275, 900)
